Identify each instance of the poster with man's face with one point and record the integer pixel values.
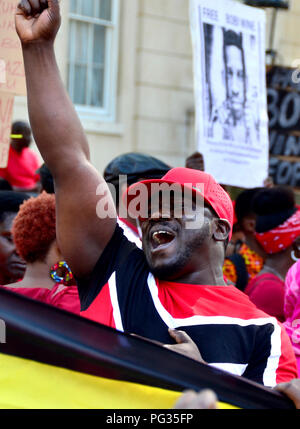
(231, 93)
(230, 88)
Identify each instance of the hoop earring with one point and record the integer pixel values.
(293, 256)
(59, 279)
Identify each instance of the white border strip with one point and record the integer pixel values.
(232, 368)
(115, 302)
(164, 314)
(269, 376)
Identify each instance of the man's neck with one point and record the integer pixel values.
(204, 267)
(205, 276)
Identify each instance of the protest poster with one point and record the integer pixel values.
(230, 91)
(284, 125)
(12, 74)
(6, 113)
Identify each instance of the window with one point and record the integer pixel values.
(92, 65)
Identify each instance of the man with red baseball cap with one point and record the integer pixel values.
(195, 181)
(176, 281)
(171, 243)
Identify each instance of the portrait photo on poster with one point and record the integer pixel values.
(231, 89)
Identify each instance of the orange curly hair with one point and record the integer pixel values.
(34, 228)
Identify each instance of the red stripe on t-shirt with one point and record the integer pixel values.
(186, 300)
(101, 309)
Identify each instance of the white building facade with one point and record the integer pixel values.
(128, 67)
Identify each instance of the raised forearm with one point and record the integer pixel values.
(81, 235)
(55, 125)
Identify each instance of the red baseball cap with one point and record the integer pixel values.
(198, 181)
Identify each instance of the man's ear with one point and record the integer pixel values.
(221, 229)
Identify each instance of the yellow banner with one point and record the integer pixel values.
(26, 384)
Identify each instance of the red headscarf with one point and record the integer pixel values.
(280, 238)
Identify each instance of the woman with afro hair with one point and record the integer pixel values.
(47, 277)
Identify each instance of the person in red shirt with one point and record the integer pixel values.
(47, 277)
(23, 163)
(176, 281)
(278, 233)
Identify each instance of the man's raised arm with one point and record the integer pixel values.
(82, 236)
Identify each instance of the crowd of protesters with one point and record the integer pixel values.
(222, 292)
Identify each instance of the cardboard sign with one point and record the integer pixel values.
(230, 91)
(6, 114)
(12, 74)
(284, 125)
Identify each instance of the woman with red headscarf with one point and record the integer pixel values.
(278, 232)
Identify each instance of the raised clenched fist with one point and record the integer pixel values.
(37, 20)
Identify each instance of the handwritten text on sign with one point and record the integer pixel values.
(6, 113)
(12, 75)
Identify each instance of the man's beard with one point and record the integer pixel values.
(173, 268)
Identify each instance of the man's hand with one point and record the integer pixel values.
(291, 390)
(37, 20)
(190, 400)
(185, 345)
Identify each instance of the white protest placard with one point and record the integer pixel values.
(230, 91)
(6, 114)
(12, 74)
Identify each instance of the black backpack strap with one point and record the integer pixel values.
(241, 271)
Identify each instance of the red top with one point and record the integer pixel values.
(64, 297)
(266, 291)
(21, 168)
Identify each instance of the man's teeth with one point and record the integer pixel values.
(161, 237)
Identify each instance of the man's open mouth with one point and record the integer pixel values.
(161, 238)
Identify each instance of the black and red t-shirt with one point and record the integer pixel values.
(230, 332)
